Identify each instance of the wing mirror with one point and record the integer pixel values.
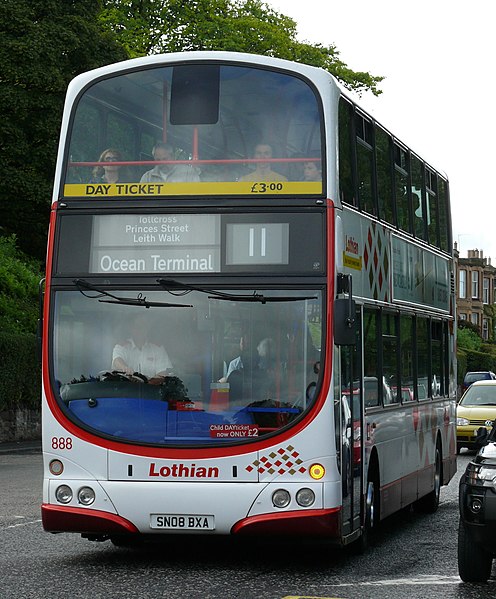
(345, 313)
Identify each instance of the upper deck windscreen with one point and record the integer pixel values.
(196, 129)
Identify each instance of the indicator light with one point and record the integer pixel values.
(317, 471)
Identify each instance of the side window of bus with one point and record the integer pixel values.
(418, 197)
(431, 200)
(444, 226)
(390, 364)
(370, 339)
(407, 358)
(423, 356)
(401, 187)
(383, 149)
(438, 370)
(346, 178)
(365, 163)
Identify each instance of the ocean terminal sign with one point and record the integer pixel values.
(176, 243)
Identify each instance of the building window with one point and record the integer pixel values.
(485, 329)
(462, 288)
(485, 291)
(474, 318)
(462, 316)
(475, 284)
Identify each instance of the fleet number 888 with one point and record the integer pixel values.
(62, 443)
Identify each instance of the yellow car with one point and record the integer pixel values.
(476, 409)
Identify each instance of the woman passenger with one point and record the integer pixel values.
(110, 173)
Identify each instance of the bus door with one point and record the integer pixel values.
(350, 426)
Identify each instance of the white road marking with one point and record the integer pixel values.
(431, 579)
(22, 524)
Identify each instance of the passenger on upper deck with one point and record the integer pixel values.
(312, 171)
(170, 173)
(263, 170)
(111, 173)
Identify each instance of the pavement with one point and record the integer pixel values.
(21, 447)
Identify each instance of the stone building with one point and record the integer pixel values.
(475, 291)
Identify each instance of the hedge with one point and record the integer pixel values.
(470, 360)
(20, 372)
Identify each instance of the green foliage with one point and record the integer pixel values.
(45, 43)
(19, 284)
(461, 369)
(20, 374)
(146, 27)
(468, 339)
(477, 360)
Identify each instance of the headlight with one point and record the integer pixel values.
(86, 495)
(305, 497)
(281, 498)
(63, 494)
(479, 474)
(462, 422)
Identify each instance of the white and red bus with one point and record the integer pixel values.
(257, 335)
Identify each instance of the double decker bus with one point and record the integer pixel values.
(248, 322)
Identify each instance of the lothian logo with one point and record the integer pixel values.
(183, 471)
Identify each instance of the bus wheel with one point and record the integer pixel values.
(371, 508)
(430, 502)
(371, 505)
(474, 563)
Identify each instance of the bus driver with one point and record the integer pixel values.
(137, 354)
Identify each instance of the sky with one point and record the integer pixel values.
(439, 61)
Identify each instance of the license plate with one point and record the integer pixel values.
(182, 522)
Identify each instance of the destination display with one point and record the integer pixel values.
(202, 243)
(260, 243)
(155, 243)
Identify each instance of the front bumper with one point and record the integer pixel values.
(479, 522)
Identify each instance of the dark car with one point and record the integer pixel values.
(477, 502)
(471, 377)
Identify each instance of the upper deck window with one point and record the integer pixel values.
(196, 129)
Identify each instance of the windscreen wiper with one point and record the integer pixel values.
(140, 300)
(176, 288)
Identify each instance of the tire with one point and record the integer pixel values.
(474, 563)
(371, 512)
(430, 502)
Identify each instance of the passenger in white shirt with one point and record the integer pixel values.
(169, 173)
(137, 354)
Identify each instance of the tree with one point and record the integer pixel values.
(155, 26)
(45, 43)
(467, 337)
(19, 280)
